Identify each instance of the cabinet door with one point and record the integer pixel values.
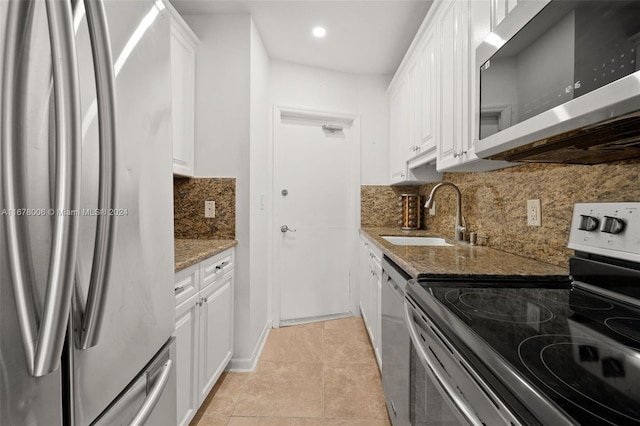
(398, 133)
(463, 24)
(363, 281)
(429, 111)
(183, 43)
(500, 9)
(187, 336)
(454, 74)
(498, 12)
(376, 290)
(216, 331)
(412, 143)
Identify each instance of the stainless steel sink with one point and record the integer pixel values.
(416, 241)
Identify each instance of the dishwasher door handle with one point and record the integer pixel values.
(446, 386)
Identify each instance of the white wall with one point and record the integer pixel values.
(231, 132)
(258, 163)
(299, 86)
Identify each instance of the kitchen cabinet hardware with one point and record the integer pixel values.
(179, 290)
(222, 265)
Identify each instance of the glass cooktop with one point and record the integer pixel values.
(581, 350)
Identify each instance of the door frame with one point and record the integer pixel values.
(274, 184)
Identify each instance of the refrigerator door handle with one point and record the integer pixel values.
(43, 330)
(153, 396)
(67, 192)
(107, 193)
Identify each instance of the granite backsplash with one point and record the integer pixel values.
(494, 203)
(189, 195)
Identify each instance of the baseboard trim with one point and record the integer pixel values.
(307, 320)
(246, 365)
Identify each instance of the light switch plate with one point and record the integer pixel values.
(533, 213)
(209, 209)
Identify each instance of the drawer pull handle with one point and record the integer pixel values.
(222, 265)
(179, 290)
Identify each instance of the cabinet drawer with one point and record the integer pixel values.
(215, 267)
(186, 283)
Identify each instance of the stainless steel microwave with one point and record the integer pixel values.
(559, 81)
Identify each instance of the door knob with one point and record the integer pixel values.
(285, 228)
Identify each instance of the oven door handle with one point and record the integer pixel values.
(446, 386)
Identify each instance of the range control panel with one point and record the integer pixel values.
(608, 229)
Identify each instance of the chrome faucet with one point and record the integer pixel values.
(460, 226)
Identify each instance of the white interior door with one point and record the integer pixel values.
(314, 172)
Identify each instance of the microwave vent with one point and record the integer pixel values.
(604, 142)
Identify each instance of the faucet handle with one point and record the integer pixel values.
(461, 229)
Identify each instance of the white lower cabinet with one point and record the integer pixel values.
(204, 329)
(376, 311)
(364, 274)
(187, 339)
(216, 331)
(370, 287)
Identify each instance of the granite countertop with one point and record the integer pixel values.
(189, 252)
(461, 259)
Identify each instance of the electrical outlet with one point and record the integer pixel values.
(533, 213)
(209, 209)
(432, 210)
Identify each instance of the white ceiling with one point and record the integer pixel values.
(363, 37)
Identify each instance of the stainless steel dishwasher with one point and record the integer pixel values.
(412, 392)
(396, 343)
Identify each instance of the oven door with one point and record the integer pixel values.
(427, 406)
(444, 387)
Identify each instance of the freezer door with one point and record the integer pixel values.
(138, 307)
(150, 398)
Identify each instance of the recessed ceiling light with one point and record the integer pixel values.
(319, 32)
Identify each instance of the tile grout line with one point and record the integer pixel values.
(241, 392)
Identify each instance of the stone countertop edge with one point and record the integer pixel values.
(188, 252)
(460, 260)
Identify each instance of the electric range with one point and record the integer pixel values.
(553, 351)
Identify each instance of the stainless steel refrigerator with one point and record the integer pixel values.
(86, 213)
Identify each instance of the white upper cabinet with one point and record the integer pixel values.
(413, 109)
(413, 116)
(183, 61)
(454, 85)
(435, 122)
(500, 9)
(398, 133)
(429, 94)
(463, 26)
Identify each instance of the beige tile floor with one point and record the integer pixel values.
(318, 374)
